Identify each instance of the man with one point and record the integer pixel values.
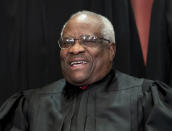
(92, 96)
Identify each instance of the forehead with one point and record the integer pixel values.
(80, 25)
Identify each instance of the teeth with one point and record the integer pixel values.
(78, 62)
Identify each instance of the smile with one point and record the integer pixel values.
(76, 63)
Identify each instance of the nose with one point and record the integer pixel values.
(76, 48)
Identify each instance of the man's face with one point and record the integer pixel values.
(85, 65)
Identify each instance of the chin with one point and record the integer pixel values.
(78, 80)
(78, 77)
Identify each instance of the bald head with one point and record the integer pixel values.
(83, 21)
(104, 26)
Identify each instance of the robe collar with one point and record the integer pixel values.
(71, 91)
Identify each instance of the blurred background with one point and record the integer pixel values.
(29, 53)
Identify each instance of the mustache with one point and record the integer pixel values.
(78, 56)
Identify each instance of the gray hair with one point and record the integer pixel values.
(107, 30)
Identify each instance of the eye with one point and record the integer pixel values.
(88, 38)
(68, 41)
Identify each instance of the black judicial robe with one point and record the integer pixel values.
(129, 57)
(118, 102)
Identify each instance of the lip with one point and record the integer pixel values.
(77, 63)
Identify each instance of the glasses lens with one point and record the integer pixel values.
(88, 40)
(85, 40)
(66, 42)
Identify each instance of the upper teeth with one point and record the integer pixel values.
(78, 62)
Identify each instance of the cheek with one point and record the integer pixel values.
(62, 58)
(63, 54)
(99, 54)
(102, 59)
(98, 57)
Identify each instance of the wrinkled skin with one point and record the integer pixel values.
(97, 61)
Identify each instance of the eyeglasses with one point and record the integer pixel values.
(84, 40)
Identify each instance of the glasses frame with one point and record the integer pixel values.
(80, 38)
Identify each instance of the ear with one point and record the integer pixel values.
(112, 50)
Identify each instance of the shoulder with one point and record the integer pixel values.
(36, 95)
(32, 98)
(125, 81)
(52, 88)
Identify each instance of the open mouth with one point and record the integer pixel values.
(77, 63)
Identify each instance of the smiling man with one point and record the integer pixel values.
(86, 55)
(92, 96)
